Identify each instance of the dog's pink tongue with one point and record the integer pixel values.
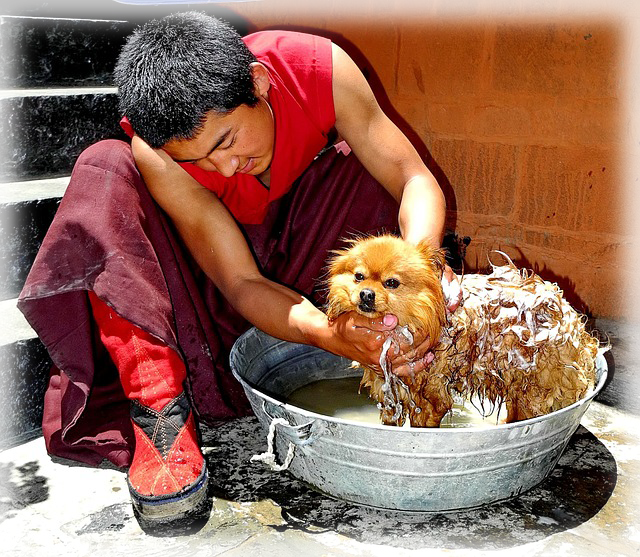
(390, 320)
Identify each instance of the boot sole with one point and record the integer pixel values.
(188, 505)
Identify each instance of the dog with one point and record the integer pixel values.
(514, 340)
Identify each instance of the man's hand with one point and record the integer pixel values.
(361, 339)
(407, 359)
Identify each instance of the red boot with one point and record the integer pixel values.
(168, 475)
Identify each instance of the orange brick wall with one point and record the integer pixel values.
(520, 122)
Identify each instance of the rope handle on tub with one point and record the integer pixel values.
(300, 435)
(269, 457)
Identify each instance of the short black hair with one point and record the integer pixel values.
(172, 71)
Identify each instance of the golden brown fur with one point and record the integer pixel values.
(514, 340)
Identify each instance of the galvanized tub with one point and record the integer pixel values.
(408, 469)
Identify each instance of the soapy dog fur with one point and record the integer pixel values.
(514, 340)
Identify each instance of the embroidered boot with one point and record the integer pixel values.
(168, 476)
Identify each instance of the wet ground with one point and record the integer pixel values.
(588, 506)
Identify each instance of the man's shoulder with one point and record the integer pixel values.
(286, 43)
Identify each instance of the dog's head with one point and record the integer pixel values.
(384, 274)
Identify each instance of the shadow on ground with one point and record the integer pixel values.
(576, 490)
(20, 486)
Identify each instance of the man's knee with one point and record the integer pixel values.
(112, 155)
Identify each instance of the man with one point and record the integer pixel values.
(225, 135)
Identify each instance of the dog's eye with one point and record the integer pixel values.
(391, 283)
(359, 277)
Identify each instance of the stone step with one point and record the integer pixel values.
(46, 52)
(30, 190)
(26, 212)
(118, 11)
(15, 327)
(25, 368)
(45, 130)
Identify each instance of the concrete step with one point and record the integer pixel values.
(26, 212)
(14, 327)
(45, 130)
(46, 52)
(20, 192)
(113, 10)
(25, 366)
(56, 98)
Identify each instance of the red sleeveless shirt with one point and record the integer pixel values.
(301, 97)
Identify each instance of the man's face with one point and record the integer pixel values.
(241, 141)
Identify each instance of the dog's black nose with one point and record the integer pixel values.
(368, 296)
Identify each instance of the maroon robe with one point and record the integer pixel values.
(110, 236)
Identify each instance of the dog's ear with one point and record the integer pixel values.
(338, 258)
(337, 261)
(433, 256)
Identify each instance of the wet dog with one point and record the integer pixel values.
(514, 340)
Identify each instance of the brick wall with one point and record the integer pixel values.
(520, 122)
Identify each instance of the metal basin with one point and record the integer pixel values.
(382, 466)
